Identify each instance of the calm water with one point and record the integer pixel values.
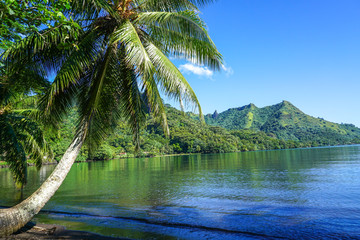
(291, 194)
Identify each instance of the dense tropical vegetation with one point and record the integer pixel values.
(187, 135)
(22, 18)
(21, 137)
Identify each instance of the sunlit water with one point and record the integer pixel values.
(291, 194)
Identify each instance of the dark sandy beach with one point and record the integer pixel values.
(50, 231)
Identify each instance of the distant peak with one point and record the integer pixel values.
(287, 105)
(215, 114)
(286, 102)
(251, 105)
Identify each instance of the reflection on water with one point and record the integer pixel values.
(302, 193)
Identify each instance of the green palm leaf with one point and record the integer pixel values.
(136, 55)
(170, 6)
(187, 23)
(170, 78)
(182, 46)
(12, 151)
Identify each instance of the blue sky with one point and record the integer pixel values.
(305, 51)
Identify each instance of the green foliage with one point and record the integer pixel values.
(21, 18)
(21, 137)
(251, 141)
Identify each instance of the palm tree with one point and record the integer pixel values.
(20, 136)
(119, 54)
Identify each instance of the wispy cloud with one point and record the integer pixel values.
(197, 70)
(228, 70)
(204, 71)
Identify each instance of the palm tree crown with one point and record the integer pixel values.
(120, 54)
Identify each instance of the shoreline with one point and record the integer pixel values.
(86, 161)
(176, 154)
(52, 231)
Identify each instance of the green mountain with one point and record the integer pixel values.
(286, 122)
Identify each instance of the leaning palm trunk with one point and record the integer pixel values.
(12, 219)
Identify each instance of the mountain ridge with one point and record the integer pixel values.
(285, 121)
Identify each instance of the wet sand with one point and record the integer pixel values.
(51, 231)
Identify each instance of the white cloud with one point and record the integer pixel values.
(228, 70)
(197, 70)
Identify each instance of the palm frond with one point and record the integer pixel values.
(65, 86)
(170, 6)
(186, 22)
(14, 86)
(95, 109)
(137, 56)
(46, 47)
(12, 151)
(170, 78)
(181, 46)
(155, 102)
(32, 139)
(91, 9)
(132, 104)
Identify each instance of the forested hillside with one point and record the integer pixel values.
(187, 135)
(286, 122)
(250, 128)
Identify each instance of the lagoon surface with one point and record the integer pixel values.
(288, 194)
